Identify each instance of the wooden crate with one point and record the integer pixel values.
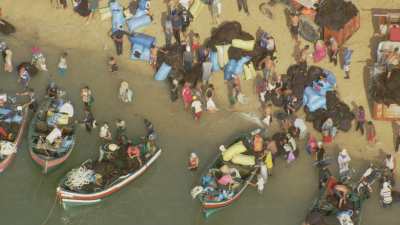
(387, 113)
(343, 34)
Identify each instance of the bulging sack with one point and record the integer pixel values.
(244, 160)
(136, 23)
(245, 45)
(162, 72)
(223, 56)
(233, 150)
(196, 8)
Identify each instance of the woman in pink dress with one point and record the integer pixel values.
(320, 51)
(187, 96)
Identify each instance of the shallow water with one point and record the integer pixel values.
(162, 194)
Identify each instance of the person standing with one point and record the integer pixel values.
(105, 133)
(112, 63)
(168, 30)
(392, 61)
(343, 161)
(386, 194)
(196, 108)
(187, 95)
(320, 151)
(390, 162)
(187, 59)
(268, 67)
(88, 120)
(86, 96)
(118, 38)
(32, 104)
(259, 184)
(193, 163)
(294, 26)
(93, 5)
(216, 8)
(304, 55)
(360, 119)
(8, 66)
(187, 18)
(333, 50)
(24, 77)
(371, 132)
(347, 53)
(176, 21)
(206, 70)
(243, 4)
(62, 64)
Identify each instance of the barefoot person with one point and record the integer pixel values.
(193, 162)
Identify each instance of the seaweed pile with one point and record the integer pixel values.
(385, 90)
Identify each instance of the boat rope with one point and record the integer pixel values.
(50, 212)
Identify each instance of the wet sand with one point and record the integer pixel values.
(162, 195)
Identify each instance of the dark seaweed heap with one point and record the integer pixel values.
(385, 90)
(335, 13)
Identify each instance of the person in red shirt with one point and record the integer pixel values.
(134, 152)
(187, 96)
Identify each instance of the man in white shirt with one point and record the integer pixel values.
(185, 3)
(196, 108)
(67, 108)
(105, 133)
(54, 134)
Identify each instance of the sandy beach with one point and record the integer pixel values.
(162, 195)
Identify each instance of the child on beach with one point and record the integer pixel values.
(112, 62)
(62, 64)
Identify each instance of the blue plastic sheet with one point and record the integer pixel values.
(163, 72)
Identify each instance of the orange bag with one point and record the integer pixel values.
(258, 143)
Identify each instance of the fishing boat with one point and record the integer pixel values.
(326, 205)
(12, 124)
(51, 132)
(95, 180)
(228, 175)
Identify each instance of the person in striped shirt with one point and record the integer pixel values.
(386, 194)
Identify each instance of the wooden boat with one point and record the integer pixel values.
(246, 174)
(93, 192)
(50, 155)
(326, 205)
(18, 129)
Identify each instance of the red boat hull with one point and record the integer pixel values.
(9, 159)
(68, 195)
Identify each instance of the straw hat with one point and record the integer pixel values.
(113, 147)
(224, 169)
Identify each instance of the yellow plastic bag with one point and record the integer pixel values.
(223, 57)
(245, 45)
(244, 160)
(196, 8)
(235, 149)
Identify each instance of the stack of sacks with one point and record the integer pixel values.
(313, 100)
(214, 62)
(141, 19)
(337, 110)
(222, 53)
(196, 8)
(235, 67)
(118, 19)
(385, 90)
(249, 71)
(141, 45)
(314, 97)
(234, 154)
(163, 72)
